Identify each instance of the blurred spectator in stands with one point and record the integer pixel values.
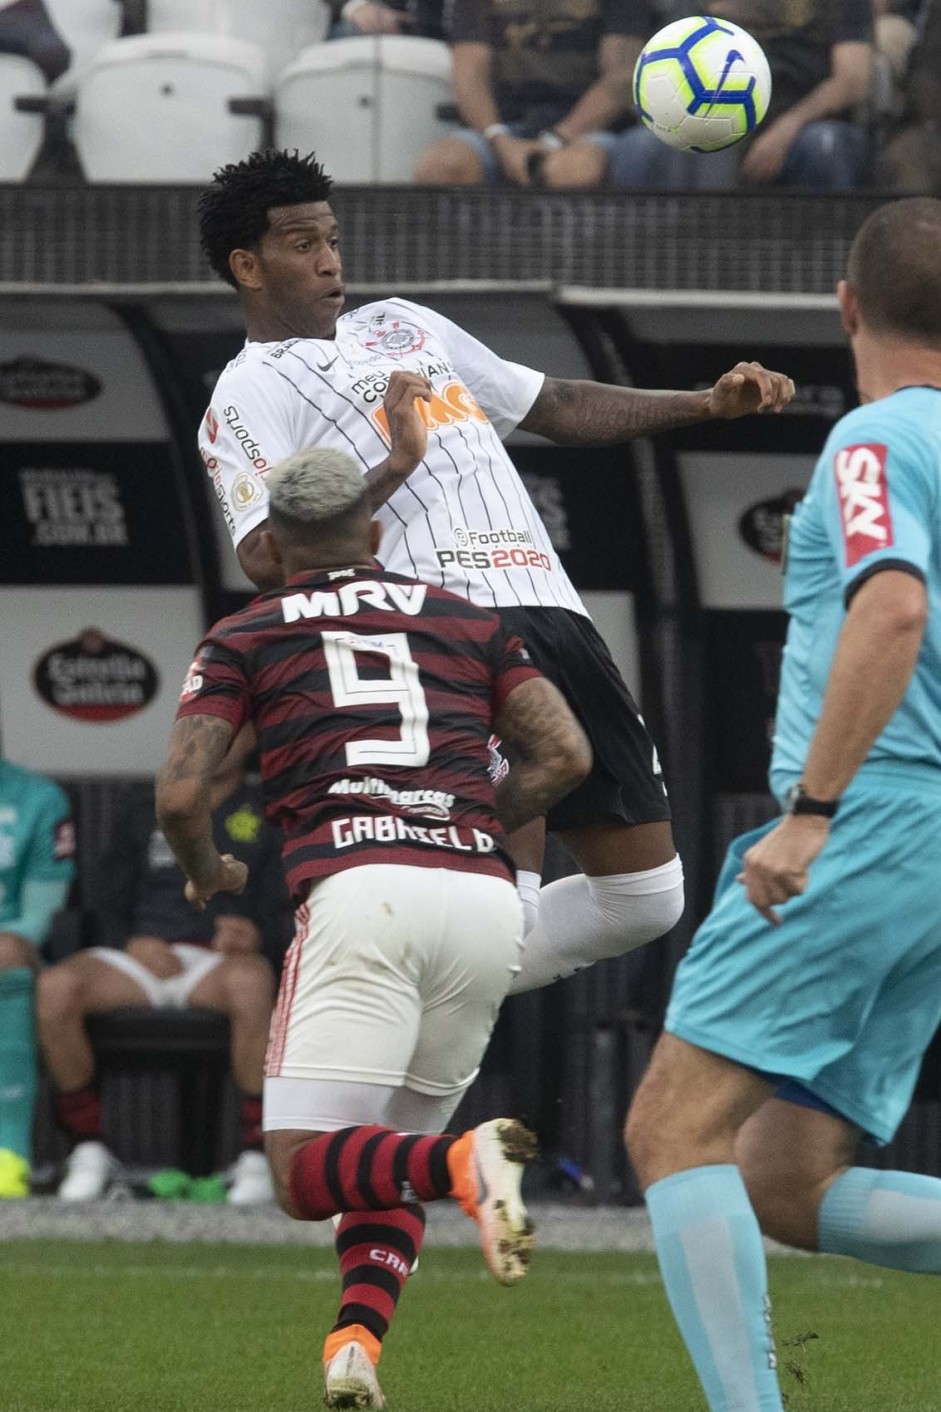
(911, 160)
(895, 33)
(155, 949)
(896, 30)
(542, 87)
(355, 17)
(26, 28)
(37, 844)
(821, 58)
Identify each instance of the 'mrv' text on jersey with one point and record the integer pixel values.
(390, 597)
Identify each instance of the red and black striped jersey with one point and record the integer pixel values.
(373, 697)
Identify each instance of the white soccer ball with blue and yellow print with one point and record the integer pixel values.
(701, 84)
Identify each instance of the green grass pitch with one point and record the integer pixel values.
(157, 1328)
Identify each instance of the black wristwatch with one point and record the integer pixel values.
(798, 801)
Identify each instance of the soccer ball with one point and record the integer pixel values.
(701, 84)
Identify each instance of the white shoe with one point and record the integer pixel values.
(350, 1379)
(488, 1170)
(89, 1172)
(251, 1180)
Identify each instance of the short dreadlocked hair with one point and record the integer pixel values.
(233, 212)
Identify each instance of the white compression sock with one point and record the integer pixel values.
(583, 920)
(527, 885)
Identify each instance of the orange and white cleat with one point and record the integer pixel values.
(349, 1369)
(486, 1167)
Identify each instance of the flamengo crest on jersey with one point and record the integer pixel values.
(864, 499)
(463, 520)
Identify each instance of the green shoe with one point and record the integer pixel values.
(14, 1175)
(170, 1185)
(208, 1189)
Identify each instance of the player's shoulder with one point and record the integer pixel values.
(230, 631)
(392, 310)
(378, 306)
(252, 361)
(907, 423)
(17, 781)
(443, 602)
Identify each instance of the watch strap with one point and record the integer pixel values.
(798, 801)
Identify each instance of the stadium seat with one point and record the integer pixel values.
(367, 106)
(85, 25)
(155, 108)
(281, 27)
(21, 134)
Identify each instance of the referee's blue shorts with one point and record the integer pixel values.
(844, 996)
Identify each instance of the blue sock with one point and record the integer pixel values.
(17, 1061)
(886, 1218)
(713, 1266)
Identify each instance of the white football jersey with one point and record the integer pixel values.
(463, 519)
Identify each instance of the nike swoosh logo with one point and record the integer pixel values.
(325, 367)
(483, 1189)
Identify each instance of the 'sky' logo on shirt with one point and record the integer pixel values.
(863, 489)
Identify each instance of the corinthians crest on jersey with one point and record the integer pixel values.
(394, 337)
(463, 520)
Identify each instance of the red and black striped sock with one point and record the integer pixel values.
(253, 1139)
(368, 1168)
(376, 1251)
(79, 1113)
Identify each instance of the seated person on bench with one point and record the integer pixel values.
(156, 950)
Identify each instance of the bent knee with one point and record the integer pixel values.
(449, 163)
(579, 167)
(787, 1205)
(247, 981)
(58, 992)
(281, 1150)
(16, 953)
(637, 908)
(651, 1137)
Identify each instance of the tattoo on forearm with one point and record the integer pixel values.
(383, 481)
(593, 413)
(197, 745)
(538, 723)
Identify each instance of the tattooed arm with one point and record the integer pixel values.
(408, 442)
(258, 563)
(184, 787)
(551, 752)
(581, 413)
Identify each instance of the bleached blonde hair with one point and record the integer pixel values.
(315, 485)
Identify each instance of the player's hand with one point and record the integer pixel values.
(766, 155)
(749, 388)
(408, 431)
(514, 154)
(156, 955)
(776, 868)
(235, 936)
(377, 19)
(230, 876)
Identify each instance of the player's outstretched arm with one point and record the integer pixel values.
(574, 412)
(184, 787)
(552, 753)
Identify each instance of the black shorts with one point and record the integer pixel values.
(625, 781)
